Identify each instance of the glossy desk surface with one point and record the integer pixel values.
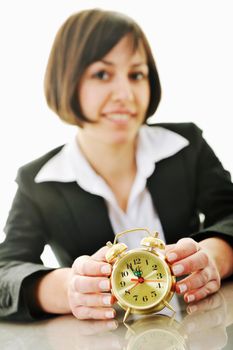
(209, 327)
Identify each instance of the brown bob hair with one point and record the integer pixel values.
(86, 37)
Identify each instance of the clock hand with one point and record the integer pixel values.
(132, 269)
(145, 280)
(150, 274)
(134, 285)
(137, 280)
(160, 280)
(137, 272)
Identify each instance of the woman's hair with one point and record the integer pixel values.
(84, 38)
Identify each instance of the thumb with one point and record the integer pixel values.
(100, 254)
(169, 247)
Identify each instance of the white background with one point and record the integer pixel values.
(192, 44)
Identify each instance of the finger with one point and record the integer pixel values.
(100, 254)
(201, 293)
(86, 284)
(183, 248)
(87, 266)
(194, 281)
(193, 263)
(102, 299)
(85, 313)
(169, 247)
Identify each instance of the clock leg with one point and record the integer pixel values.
(126, 314)
(169, 306)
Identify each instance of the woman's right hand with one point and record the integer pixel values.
(89, 288)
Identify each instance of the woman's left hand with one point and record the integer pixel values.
(188, 257)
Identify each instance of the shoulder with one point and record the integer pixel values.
(28, 171)
(187, 130)
(192, 133)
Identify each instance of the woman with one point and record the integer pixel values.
(118, 173)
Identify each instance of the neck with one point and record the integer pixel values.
(105, 158)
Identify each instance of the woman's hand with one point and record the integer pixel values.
(89, 287)
(187, 257)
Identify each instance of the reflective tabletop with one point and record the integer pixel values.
(206, 325)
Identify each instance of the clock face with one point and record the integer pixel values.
(140, 279)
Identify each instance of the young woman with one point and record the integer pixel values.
(118, 173)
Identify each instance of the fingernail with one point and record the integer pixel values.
(110, 314)
(171, 257)
(106, 269)
(104, 285)
(190, 298)
(107, 300)
(182, 287)
(177, 269)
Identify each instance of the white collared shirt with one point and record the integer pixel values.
(154, 144)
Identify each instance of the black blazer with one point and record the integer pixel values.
(74, 222)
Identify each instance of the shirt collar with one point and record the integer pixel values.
(69, 165)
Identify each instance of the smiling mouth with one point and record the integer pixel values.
(119, 117)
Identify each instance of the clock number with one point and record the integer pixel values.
(135, 297)
(159, 285)
(137, 261)
(155, 267)
(153, 293)
(159, 275)
(145, 298)
(129, 266)
(122, 283)
(127, 292)
(124, 273)
(147, 262)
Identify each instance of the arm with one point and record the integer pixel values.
(50, 292)
(210, 260)
(83, 290)
(214, 196)
(222, 254)
(30, 290)
(20, 256)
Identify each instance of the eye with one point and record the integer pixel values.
(138, 76)
(101, 75)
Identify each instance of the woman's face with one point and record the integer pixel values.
(115, 93)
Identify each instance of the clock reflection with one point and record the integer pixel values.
(203, 325)
(158, 331)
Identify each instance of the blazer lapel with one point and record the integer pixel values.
(169, 190)
(92, 225)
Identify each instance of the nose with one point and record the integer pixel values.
(122, 89)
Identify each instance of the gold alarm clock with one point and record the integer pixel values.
(141, 279)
